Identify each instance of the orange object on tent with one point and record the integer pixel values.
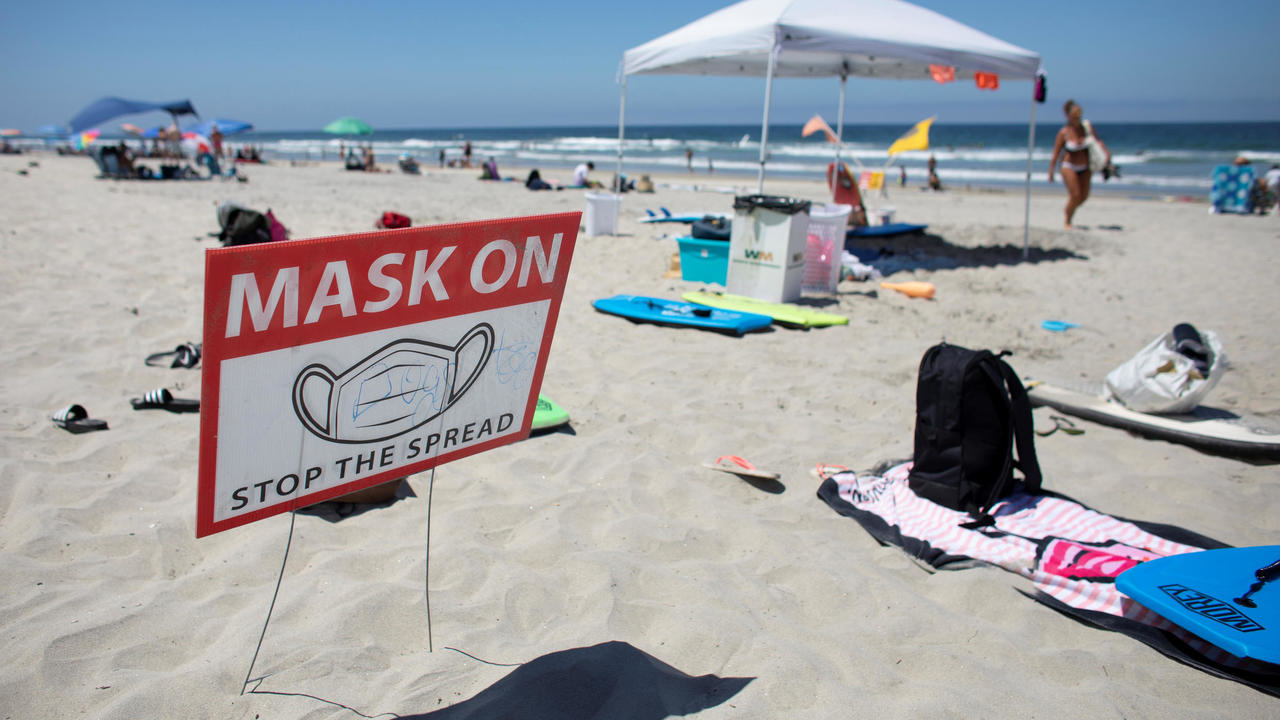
(942, 74)
(987, 81)
(844, 189)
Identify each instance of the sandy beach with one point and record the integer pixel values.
(612, 532)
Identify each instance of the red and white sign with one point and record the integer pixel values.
(336, 364)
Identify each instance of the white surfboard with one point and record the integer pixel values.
(1207, 428)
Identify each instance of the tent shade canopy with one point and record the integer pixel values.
(828, 38)
(108, 108)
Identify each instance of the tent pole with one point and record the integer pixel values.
(1031, 145)
(764, 128)
(622, 124)
(840, 120)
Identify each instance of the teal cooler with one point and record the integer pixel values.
(704, 260)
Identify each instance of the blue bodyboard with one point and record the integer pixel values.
(1215, 595)
(683, 314)
(883, 230)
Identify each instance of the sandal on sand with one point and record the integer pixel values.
(75, 419)
(738, 466)
(186, 355)
(162, 399)
(1060, 423)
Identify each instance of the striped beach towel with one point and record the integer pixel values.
(1070, 553)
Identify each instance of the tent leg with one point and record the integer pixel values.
(840, 120)
(1026, 215)
(622, 124)
(764, 128)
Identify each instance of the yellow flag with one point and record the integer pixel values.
(917, 138)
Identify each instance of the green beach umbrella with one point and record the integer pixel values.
(348, 126)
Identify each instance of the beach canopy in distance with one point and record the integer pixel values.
(108, 108)
(348, 126)
(225, 126)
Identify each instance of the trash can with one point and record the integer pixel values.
(767, 247)
(824, 247)
(601, 217)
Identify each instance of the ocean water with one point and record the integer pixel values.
(1155, 159)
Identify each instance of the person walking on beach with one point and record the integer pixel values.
(215, 137)
(688, 158)
(1072, 144)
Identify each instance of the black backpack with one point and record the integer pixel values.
(711, 227)
(242, 226)
(971, 410)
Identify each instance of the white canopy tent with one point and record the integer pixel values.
(826, 38)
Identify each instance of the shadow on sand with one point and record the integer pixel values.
(609, 680)
(926, 251)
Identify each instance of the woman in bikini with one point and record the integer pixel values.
(1072, 146)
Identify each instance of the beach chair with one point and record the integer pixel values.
(844, 191)
(1232, 189)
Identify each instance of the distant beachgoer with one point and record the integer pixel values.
(934, 182)
(408, 164)
(902, 176)
(441, 157)
(580, 173)
(1072, 144)
(466, 154)
(535, 181)
(688, 158)
(645, 185)
(1273, 179)
(710, 168)
(369, 162)
(215, 137)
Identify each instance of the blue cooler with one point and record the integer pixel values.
(704, 260)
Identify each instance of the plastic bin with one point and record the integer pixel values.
(704, 260)
(767, 247)
(824, 247)
(601, 217)
(883, 216)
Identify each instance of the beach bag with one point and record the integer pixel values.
(971, 411)
(1170, 375)
(391, 220)
(279, 233)
(242, 226)
(711, 228)
(1097, 156)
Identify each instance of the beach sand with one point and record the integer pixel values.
(613, 532)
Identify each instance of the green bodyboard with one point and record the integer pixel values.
(783, 313)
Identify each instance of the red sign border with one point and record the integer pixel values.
(472, 232)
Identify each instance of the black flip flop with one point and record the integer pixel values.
(186, 355)
(75, 419)
(162, 399)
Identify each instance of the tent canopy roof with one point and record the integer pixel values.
(820, 38)
(107, 108)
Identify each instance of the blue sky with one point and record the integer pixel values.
(296, 65)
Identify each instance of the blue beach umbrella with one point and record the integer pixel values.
(225, 126)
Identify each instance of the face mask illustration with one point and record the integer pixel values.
(399, 388)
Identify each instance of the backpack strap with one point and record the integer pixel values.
(1023, 429)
